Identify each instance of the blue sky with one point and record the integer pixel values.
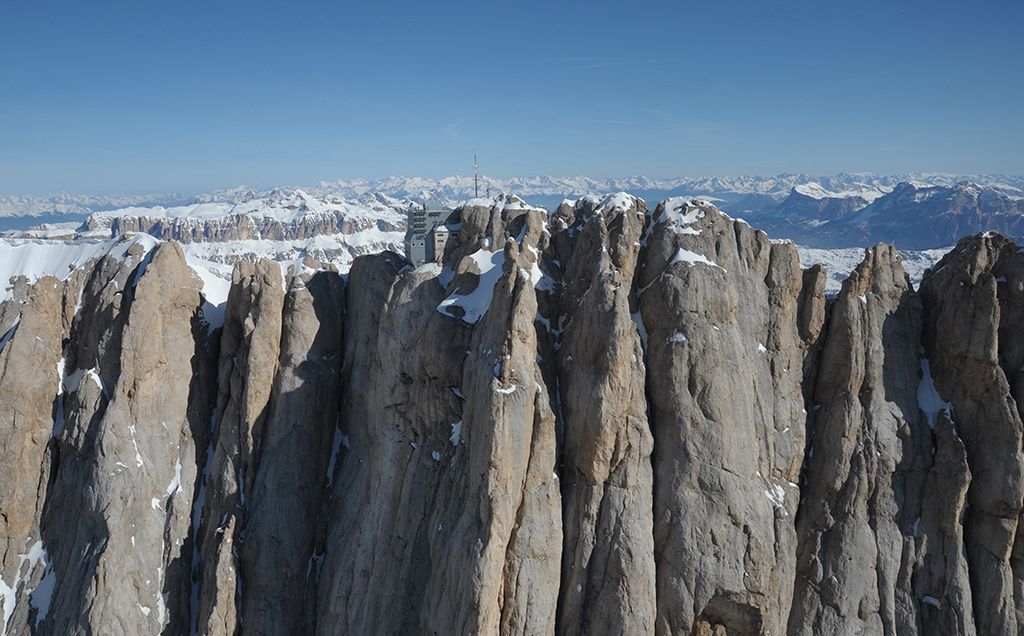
(187, 96)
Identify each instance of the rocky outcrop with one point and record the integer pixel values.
(724, 357)
(293, 452)
(870, 450)
(449, 425)
(241, 227)
(605, 419)
(249, 351)
(973, 333)
(30, 380)
(608, 570)
(275, 424)
(117, 522)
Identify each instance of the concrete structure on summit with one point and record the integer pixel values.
(429, 230)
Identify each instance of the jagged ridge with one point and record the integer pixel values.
(603, 419)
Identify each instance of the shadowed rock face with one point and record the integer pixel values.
(973, 338)
(117, 519)
(603, 420)
(30, 377)
(608, 574)
(249, 351)
(871, 444)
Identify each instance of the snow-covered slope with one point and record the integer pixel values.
(26, 260)
(35, 258)
(840, 262)
(276, 215)
(817, 191)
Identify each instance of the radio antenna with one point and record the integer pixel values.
(476, 179)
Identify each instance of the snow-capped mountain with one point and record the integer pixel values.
(911, 215)
(336, 222)
(539, 189)
(64, 204)
(275, 215)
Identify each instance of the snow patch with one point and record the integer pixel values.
(35, 258)
(692, 258)
(928, 398)
(641, 328)
(40, 596)
(776, 495)
(175, 483)
(618, 201)
(216, 284)
(680, 213)
(506, 391)
(475, 304)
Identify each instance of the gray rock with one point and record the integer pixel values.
(724, 371)
(117, 522)
(602, 420)
(249, 350)
(293, 453)
(870, 451)
(608, 576)
(30, 376)
(974, 323)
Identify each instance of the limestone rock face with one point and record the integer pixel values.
(724, 367)
(293, 453)
(600, 420)
(449, 425)
(974, 324)
(398, 406)
(30, 378)
(608, 570)
(117, 522)
(941, 583)
(249, 352)
(276, 420)
(870, 452)
(500, 550)
(241, 227)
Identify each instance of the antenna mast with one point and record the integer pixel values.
(476, 179)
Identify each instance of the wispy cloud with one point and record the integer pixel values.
(452, 130)
(693, 129)
(618, 122)
(599, 62)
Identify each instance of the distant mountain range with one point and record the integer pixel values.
(537, 188)
(914, 210)
(912, 215)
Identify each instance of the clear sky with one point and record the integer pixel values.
(111, 96)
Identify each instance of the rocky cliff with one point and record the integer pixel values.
(608, 419)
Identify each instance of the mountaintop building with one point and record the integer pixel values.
(430, 228)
